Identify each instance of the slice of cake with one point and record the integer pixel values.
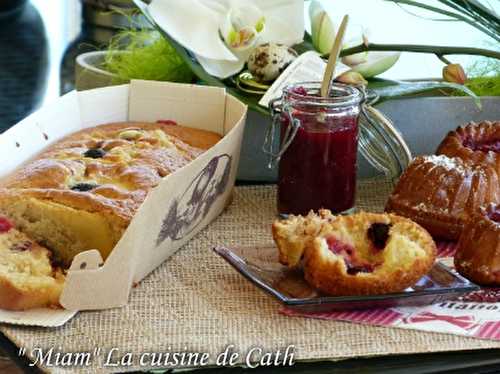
(28, 278)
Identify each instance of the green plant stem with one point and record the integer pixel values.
(437, 50)
(444, 59)
(454, 15)
(458, 8)
(477, 12)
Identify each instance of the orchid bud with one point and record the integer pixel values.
(454, 73)
(376, 63)
(322, 28)
(352, 77)
(357, 58)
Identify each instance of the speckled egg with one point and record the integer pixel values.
(268, 61)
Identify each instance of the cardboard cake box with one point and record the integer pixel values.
(173, 212)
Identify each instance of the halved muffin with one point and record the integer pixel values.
(363, 253)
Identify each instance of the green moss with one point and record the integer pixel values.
(484, 78)
(148, 56)
(485, 86)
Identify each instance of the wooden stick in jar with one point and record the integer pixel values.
(326, 85)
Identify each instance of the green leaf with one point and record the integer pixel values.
(387, 89)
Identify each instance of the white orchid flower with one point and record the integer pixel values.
(323, 31)
(222, 33)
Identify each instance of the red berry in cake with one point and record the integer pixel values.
(353, 263)
(22, 246)
(5, 225)
(167, 122)
(338, 247)
(378, 233)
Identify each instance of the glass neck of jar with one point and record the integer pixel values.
(307, 97)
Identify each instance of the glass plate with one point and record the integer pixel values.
(260, 266)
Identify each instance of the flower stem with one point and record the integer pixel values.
(444, 59)
(437, 50)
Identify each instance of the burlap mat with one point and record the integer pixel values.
(195, 301)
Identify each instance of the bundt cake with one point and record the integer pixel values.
(28, 277)
(478, 251)
(475, 142)
(82, 192)
(441, 193)
(361, 254)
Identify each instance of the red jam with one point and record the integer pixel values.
(318, 169)
(5, 225)
(493, 146)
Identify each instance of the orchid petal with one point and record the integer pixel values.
(376, 63)
(220, 68)
(198, 25)
(194, 25)
(284, 21)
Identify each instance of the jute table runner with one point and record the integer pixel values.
(196, 302)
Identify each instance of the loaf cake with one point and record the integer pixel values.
(478, 250)
(442, 193)
(28, 276)
(82, 192)
(361, 254)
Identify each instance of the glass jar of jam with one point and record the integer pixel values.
(319, 142)
(319, 137)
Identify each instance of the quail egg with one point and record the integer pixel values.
(267, 61)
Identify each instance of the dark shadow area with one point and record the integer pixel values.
(23, 61)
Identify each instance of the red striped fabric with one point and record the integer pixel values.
(389, 317)
(489, 330)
